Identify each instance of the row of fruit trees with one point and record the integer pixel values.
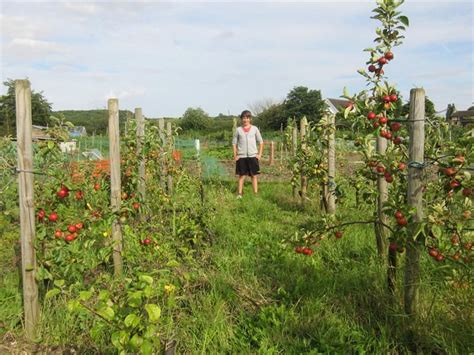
(416, 176)
(96, 236)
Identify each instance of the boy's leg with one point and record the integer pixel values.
(255, 184)
(241, 184)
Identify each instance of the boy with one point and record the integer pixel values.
(248, 147)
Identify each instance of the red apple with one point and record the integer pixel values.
(450, 171)
(41, 214)
(53, 217)
(382, 61)
(393, 247)
(72, 228)
(338, 234)
(371, 115)
(388, 55)
(397, 140)
(398, 214)
(62, 193)
(433, 252)
(395, 126)
(402, 221)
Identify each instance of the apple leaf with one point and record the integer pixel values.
(147, 279)
(154, 312)
(346, 111)
(404, 20)
(119, 339)
(85, 295)
(136, 341)
(53, 292)
(345, 92)
(132, 320)
(58, 283)
(146, 348)
(107, 312)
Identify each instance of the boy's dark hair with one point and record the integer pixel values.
(245, 113)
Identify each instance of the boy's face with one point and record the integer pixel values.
(246, 119)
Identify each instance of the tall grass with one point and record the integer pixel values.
(264, 298)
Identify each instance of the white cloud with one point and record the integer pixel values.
(221, 56)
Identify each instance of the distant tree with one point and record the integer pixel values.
(449, 111)
(272, 117)
(304, 102)
(40, 109)
(195, 119)
(430, 111)
(260, 106)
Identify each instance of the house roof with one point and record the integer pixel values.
(468, 113)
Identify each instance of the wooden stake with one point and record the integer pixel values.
(415, 197)
(115, 183)
(272, 153)
(294, 147)
(330, 197)
(169, 135)
(304, 179)
(161, 132)
(382, 196)
(140, 153)
(27, 208)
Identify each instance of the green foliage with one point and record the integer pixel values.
(299, 102)
(274, 117)
(195, 119)
(95, 121)
(304, 102)
(40, 109)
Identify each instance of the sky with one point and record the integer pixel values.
(226, 56)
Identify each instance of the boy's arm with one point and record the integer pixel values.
(234, 147)
(260, 150)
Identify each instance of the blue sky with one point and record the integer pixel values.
(226, 56)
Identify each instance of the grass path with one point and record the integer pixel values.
(261, 296)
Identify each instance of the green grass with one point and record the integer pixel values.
(251, 293)
(263, 298)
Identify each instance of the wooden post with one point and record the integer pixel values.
(272, 152)
(169, 135)
(161, 133)
(27, 208)
(304, 179)
(382, 196)
(115, 183)
(140, 153)
(415, 197)
(294, 147)
(330, 197)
